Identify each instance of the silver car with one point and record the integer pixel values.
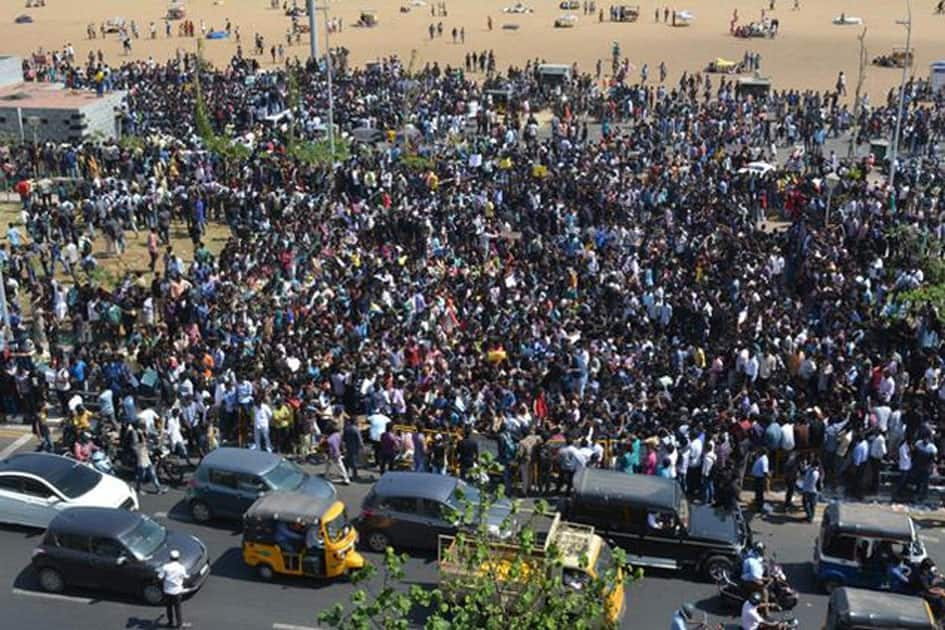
(35, 487)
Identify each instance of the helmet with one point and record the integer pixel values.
(755, 598)
(759, 548)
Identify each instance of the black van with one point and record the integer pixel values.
(652, 520)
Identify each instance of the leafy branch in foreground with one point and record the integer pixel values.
(507, 566)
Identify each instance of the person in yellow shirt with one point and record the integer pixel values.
(282, 421)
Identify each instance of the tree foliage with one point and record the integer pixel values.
(519, 586)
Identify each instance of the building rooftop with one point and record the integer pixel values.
(45, 96)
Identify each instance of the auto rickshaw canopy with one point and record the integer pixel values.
(869, 609)
(289, 507)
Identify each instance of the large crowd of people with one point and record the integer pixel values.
(633, 293)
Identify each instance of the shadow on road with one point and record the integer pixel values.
(27, 532)
(181, 513)
(144, 624)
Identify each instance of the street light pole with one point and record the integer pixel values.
(902, 99)
(312, 30)
(5, 335)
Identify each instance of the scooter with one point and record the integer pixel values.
(779, 590)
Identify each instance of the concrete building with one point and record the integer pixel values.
(49, 112)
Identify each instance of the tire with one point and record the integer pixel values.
(717, 567)
(377, 542)
(152, 594)
(831, 585)
(173, 474)
(200, 512)
(51, 580)
(264, 572)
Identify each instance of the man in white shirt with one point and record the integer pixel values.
(174, 436)
(859, 458)
(877, 454)
(753, 613)
(173, 575)
(905, 468)
(262, 416)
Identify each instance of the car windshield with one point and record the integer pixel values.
(285, 476)
(74, 481)
(145, 538)
(462, 495)
(337, 528)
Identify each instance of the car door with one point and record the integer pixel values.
(110, 565)
(73, 559)
(434, 523)
(223, 495)
(13, 510)
(403, 521)
(248, 489)
(41, 500)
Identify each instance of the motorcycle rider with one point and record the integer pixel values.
(753, 578)
(84, 447)
(754, 613)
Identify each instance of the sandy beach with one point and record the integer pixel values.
(808, 52)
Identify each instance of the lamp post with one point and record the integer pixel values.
(832, 180)
(312, 30)
(5, 335)
(902, 100)
(312, 8)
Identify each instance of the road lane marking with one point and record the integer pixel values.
(160, 515)
(289, 626)
(12, 448)
(56, 596)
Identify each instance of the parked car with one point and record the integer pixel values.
(115, 550)
(653, 521)
(412, 509)
(35, 487)
(229, 480)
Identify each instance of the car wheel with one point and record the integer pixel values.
(717, 568)
(200, 511)
(830, 586)
(264, 571)
(51, 580)
(152, 594)
(378, 542)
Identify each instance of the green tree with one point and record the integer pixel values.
(490, 585)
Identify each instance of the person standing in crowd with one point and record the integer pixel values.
(333, 456)
(353, 446)
(759, 474)
(810, 487)
(468, 453)
(262, 416)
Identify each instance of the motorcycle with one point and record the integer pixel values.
(780, 591)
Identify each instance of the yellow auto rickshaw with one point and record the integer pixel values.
(291, 533)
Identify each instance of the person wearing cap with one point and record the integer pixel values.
(753, 614)
(682, 617)
(172, 575)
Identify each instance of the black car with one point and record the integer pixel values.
(229, 480)
(412, 509)
(115, 550)
(651, 519)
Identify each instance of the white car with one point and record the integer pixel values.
(757, 168)
(35, 487)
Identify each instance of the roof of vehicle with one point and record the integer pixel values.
(43, 465)
(241, 460)
(611, 485)
(872, 609)
(95, 521)
(289, 507)
(870, 521)
(416, 484)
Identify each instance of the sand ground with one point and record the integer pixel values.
(809, 52)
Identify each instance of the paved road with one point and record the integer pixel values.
(234, 598)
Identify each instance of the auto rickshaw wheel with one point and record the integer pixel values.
(264, 571)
